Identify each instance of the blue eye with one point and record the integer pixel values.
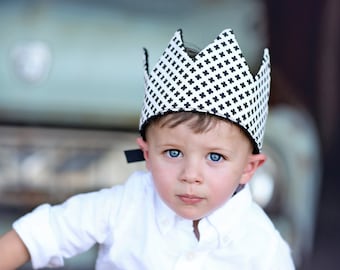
(214, 157)
(173, 153)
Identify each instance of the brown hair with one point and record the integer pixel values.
(199, 122)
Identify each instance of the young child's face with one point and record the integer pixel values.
(195, 173)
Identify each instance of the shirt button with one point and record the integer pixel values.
(165, 222)
(190, 256)
(225, 239)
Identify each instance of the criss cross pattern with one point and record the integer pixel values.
(216, 81)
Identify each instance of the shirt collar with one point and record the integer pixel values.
(165, 216)
(229, 216)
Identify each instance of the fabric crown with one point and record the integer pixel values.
(217, 81)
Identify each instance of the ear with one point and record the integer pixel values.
(143, 145)
(254, 162)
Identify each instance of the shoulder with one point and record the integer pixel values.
(121, 198)
(136, 192)
(251, 222)
(139, 179)
(138, 184)
(259, 236)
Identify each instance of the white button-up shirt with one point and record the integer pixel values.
(136, 231)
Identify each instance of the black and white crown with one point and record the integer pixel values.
(217, 81)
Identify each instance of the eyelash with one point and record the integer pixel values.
(174, 153)
(212, 157)
(170, 153)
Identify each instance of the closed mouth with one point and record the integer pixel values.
(190, 199)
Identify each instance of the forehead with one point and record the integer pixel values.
(198, 122)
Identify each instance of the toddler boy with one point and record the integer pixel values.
(202, 127)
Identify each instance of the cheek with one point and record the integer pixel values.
(160, 166)
(160, 173)
(221, 192)
(164, 185)
(223, 184)
(164, 176)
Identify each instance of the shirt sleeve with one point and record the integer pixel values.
(52, 233)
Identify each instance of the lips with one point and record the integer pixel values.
(190, 199)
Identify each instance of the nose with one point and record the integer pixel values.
(191, 172)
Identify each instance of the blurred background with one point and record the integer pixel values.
(71, 88)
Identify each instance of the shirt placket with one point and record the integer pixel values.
(195, 258)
